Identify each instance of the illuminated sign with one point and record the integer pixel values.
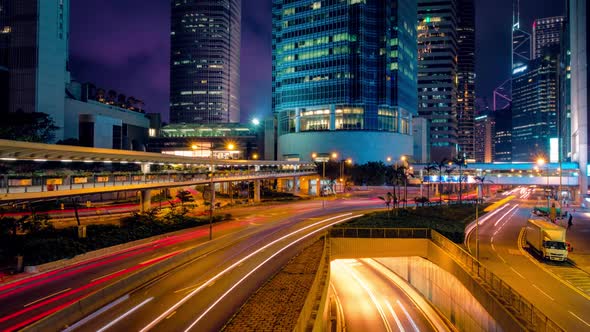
(554, 149)
(519, 70)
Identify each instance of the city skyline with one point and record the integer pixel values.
(130, 53)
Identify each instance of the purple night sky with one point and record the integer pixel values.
(125, 44)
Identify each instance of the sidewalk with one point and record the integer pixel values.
(579, 236)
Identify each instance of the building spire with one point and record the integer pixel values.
(515, 14)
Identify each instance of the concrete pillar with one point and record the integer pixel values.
(332, 117)
(296, 185)
(145, 168)
(297, 120)
(257, 191)
(145, 200)
(318, 187)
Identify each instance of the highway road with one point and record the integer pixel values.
(370, 299)
(499, 233)
(33, 298)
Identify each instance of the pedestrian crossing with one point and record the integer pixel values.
(567, 272)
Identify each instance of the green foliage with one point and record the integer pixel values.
(449, 221)
(28, 127)
(370, 174)
(44, 244)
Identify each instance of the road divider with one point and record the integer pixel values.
(88, 305)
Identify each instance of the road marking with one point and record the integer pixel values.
(106, 275)
(231, 267)
(96, 313)
(520, 275)
(160, 257)
(583, 321)
(188, 288)
(409, 317)
(397, 321)
(492, 242)
(46, 297)
(172, 314)
(371, 296)
(104, 328)
(502, 258)
(540, 290)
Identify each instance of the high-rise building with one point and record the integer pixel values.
(521, 40)
(534, 107)
(34, 50)
(546, 33)
(578, 25)
(344, 78)
(437, 74)
(205, 61)
(503, 135)
(564, 87)
(466, 75)
(485, 128)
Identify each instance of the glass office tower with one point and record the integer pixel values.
(205, 61)
(344, 78)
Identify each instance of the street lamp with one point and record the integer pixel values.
(342, 164)
(323, 158)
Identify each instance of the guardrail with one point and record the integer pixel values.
(45, 183)
(515, 303)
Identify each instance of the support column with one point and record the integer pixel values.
(145, 169)
(296, 185)
(257, 191)
(332, 117)
(318, 187)
(297, 120)
(145, 200)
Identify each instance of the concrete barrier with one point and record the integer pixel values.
(314, 310)
(110, 293)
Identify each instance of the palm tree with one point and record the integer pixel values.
(461, 162)
(439, 166)
(429, 169)
(112, 97)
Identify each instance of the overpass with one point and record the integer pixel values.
(563, 175)
(36, 171)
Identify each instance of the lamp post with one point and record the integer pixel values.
(323, 158)
(405, 164)
(342, 164)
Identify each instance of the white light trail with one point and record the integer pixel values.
(104, 328)
(234, 265)
(408, 316)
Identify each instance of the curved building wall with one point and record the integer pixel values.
(343, 70)
(205, 61)
(360, 146)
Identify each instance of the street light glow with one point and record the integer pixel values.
(255, 121)
(388, 159)
(231, 146)
(334, 155)
(540, 161)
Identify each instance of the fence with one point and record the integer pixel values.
(521, 308)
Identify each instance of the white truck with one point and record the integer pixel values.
(547, 239)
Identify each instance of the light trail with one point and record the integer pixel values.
(397, 321)
(371, 295)
(234, 265)
(408, 316)
(132, 310)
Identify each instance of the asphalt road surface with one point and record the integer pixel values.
(499, 252)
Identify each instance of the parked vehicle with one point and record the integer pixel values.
(547, 239)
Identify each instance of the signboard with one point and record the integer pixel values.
(80, 180)
(121, 178)
(56, 181)
(136, 178)
(20, 182)
(102, 179)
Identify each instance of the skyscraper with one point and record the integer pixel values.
(466, 75)
(521, 40)
(34, 50)
(344, 76)
(534, 107)
(205, 61)
(437, 74)
(484, 131)
(578, 20)
(546, 33)
(503, 135)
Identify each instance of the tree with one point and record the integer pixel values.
(69, 141)
(439, 167)
(184, 196)
(112, 97)
(461, 162)
(429, 169)
(29, 127)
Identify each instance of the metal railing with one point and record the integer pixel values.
(41, 183)
(515, 303)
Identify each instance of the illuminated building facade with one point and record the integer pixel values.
(546, 33)
(205, 61)
(466, 75)
(485, 127)
(34, 50)
(344, 78)
(534, 107)
(437, 74)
